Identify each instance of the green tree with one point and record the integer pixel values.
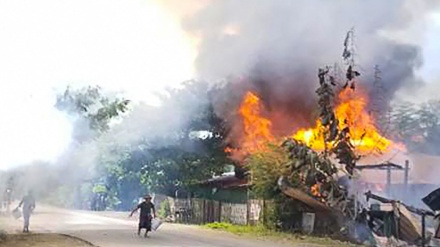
(89, 106)
(90, 103)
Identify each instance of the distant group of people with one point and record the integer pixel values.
(99, 202)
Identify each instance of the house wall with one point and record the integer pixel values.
(235, 195)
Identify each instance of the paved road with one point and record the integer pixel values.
(117, 230)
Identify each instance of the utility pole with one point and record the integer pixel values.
(406, 175)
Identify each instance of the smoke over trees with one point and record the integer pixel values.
(123, 150)
(163, 162)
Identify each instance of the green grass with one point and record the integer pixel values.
(236, 229)
(261, 231)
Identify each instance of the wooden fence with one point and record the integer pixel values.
(201, 211)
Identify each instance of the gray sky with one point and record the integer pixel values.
(430, 71)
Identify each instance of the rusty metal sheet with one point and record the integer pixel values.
(303, 197)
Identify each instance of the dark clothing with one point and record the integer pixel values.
(145, 216)
(146, 208)
(145, 222)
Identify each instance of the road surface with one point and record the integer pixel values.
(112, 229)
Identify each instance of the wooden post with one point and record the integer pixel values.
(247, 207)
(220, 211)
(263, 211)
(203, 211)
(389, 180)
(355, 180)
(423, 230)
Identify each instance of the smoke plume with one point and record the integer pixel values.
(277, 46)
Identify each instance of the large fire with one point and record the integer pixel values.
(256, 128)
(350, 111)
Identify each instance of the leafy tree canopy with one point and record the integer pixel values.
(90, 103)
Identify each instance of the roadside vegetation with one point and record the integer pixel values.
(258, 231)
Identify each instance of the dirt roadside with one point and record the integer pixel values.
(10, 236)
(42, 240)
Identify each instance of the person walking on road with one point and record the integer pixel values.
(28, 203)
(147, 213)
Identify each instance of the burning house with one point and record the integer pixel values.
(325, 162)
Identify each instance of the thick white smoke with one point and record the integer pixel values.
(132, 47)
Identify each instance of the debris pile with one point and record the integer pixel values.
(315, 178)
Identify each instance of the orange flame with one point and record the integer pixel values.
(256, 128)
(315, 190)
(350, 112)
